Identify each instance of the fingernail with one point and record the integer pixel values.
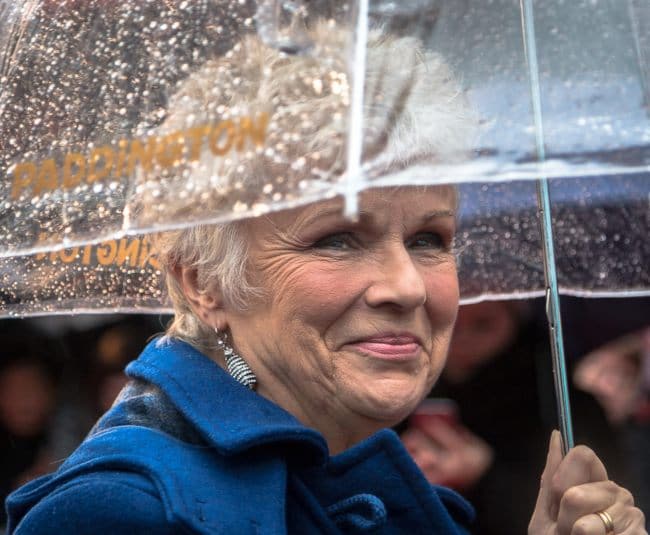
(556, 439)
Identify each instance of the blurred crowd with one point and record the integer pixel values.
(57, 376)
(483, 431)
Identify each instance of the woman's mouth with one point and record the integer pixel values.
(390, 347)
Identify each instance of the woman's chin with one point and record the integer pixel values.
(389, 402)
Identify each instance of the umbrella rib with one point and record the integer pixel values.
(355, 139)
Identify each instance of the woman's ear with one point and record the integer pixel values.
(207, 305)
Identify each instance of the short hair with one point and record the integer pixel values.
(414, 109)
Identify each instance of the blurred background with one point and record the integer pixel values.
(58, 374)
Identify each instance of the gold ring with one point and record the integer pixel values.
(607, 520)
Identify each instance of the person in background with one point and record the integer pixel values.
(48, 403)
(28, 397)
(117, 344)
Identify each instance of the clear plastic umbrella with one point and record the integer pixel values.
(103, 138)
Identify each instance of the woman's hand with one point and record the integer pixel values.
(574, 490)
(448, 454)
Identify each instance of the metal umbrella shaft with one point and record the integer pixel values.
(544, 205)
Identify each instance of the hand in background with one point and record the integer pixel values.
(448, 454)
(614, 374)
(574, 489)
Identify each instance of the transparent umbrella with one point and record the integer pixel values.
(103, 138)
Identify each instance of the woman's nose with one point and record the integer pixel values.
(397, 282)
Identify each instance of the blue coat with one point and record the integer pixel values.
(186, 449)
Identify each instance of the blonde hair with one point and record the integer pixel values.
(414, 110)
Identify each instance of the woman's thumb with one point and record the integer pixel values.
(546, 508)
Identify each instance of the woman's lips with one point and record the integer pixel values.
(390, 347)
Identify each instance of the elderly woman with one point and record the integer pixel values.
(299, 336)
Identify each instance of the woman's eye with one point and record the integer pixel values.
(427, 240)
(341, 240)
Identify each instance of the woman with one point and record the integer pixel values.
(301, 335)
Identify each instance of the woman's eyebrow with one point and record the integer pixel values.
(314, 215)
(364, 216)
(438, 213)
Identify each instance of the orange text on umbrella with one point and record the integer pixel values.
(122, 158)
(134, 252)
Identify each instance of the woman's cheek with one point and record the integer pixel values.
(442, 297)
(327, 292)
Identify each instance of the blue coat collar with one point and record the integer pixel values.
(374, 486)
(205, 394)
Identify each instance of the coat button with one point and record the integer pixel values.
(361, 512)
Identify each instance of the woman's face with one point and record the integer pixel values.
(355, 319)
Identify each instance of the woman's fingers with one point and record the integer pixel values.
(545, 509)
(581, 502)
(589, 525)
(627, 521)
(632, 524)
(581, 465)
(574, 490)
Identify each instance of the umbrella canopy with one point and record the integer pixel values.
(117, 120)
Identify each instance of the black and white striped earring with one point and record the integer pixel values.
(237, 366)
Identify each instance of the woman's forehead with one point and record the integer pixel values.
(416, 202)
(396, 198)
(441, 195)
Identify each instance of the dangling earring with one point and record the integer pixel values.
(237, 366)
